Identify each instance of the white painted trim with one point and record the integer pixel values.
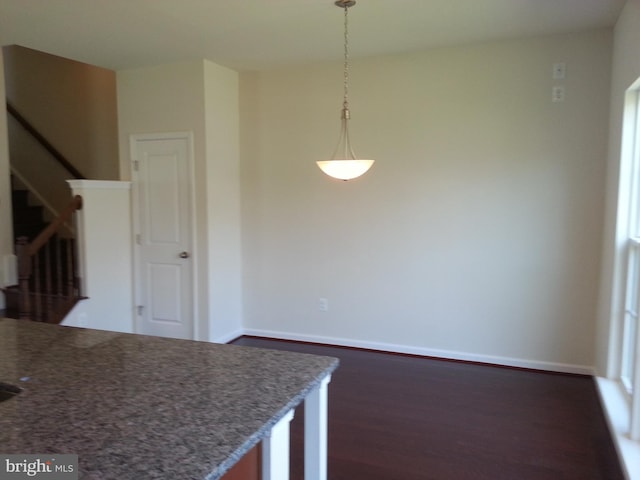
(316, 432)
(428, 352)
(634, 421)
(135, 228)
(99, 184)
(275, 450)
(616, 407)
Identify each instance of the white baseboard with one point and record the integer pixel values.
(616, 409)
(426, 352)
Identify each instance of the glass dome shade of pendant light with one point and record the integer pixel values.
(344, 164)
(345, 169)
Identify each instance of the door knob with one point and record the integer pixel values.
(184, 255)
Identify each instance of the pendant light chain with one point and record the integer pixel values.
(345, 103)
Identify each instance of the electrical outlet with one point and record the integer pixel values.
(323, 304)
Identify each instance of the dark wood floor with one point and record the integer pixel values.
(394, 417)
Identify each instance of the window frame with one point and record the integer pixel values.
(627, 327)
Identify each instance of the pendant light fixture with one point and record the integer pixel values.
(344, 164)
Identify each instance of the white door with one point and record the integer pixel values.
(162, 182)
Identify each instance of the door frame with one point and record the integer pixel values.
(135, 214)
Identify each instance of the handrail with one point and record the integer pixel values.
(61, 159)
(52, 228)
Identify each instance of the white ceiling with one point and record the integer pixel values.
(258, 34)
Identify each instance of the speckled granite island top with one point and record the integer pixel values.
(139, 407)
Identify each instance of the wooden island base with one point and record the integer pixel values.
(248, 468)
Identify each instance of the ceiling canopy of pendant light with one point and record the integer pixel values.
(344, 164)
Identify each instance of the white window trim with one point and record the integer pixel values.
(622, 410)
(615, 403)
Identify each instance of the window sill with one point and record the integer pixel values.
(616, 409)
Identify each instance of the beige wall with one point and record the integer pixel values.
(477, 234)
(6, 229)
(199, 97)
(72, 104)
(625, 71)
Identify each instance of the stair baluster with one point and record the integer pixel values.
(48, 287)
(24, 274)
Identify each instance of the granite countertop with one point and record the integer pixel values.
(140, 407)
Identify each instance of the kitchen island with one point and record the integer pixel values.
(138, 407)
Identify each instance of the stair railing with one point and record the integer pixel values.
(48, 281)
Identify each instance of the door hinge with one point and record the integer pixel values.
(139, 308)
(136, 165)
(138, 239)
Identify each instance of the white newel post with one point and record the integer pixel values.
(275, 451)
(315, 432)
(105, 256)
